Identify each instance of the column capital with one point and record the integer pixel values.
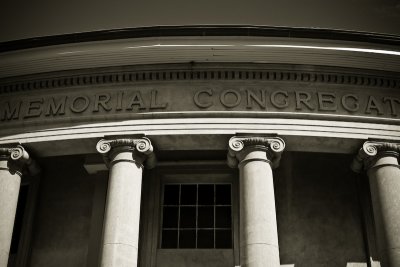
(140, 147)
(372, 150)
(18, 160)
(238, 145)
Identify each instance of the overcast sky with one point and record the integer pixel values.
(23, 19)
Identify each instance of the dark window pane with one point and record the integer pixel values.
(223, 217)
(205, 239)
(187, 238)
(188, 217)
(223, 194)
(205, 217)
(223, 239)
(206, 194)
(170, 217)
(188, 194)
(169, 239)
(171, 194)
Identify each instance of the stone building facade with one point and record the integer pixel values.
(200, 146)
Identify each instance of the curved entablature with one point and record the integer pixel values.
(200, 49)
(197, 72)
(201, 91)
(301, 85)
(201, 31)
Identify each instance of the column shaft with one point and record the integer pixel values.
(384, 178)
(121, 225)
(9, 191)
(258, 227)
(124, 158)
(14, 160)
(256, 156)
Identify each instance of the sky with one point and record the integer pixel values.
(35, 18)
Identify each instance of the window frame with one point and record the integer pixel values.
(199, 181)
(201, 173)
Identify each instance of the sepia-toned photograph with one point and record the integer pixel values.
(206, 133)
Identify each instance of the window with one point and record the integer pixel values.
(190, 215)
(197, 216)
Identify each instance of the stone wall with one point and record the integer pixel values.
(62, 223)
(319, 217)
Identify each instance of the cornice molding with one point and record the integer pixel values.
(371, 150)
(223, 74)
(273, 146)
(153, 51)
(142, 146)
(201, 30)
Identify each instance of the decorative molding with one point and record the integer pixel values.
(370, 149)
(190, 75)
(19, 161)
(142, 145)
(274, 147)
(201, 30)
(213, 133)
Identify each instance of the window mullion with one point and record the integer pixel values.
(215, 215)
(179, 215)
(197, 211)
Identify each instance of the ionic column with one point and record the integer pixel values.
(124, 158)
(14, 161)
(380, 160)
(256, 156)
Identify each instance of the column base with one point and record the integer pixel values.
(259, 255)
(119, 255)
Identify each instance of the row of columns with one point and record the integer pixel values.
(255, 157)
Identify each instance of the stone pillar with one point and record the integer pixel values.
(124, 158)
(256, 156)
(14, 161)
(380, 160)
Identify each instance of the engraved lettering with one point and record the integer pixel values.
(234, 100)
(392, 102)
(252, 96)
(34, 108)
(354, 100)
(79, 104)
(303, 98)
(101, 100)
(136, 100)
(327, 101)
(120, 96)
(154, 103)
(11, 112)
(202, 104)
(373, 104)
(280, 102)
(55, 109)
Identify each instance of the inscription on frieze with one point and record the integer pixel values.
(132, 101)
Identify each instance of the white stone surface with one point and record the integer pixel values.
(258, 227)
(9, 191)
(121, 225)
(384, 178)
